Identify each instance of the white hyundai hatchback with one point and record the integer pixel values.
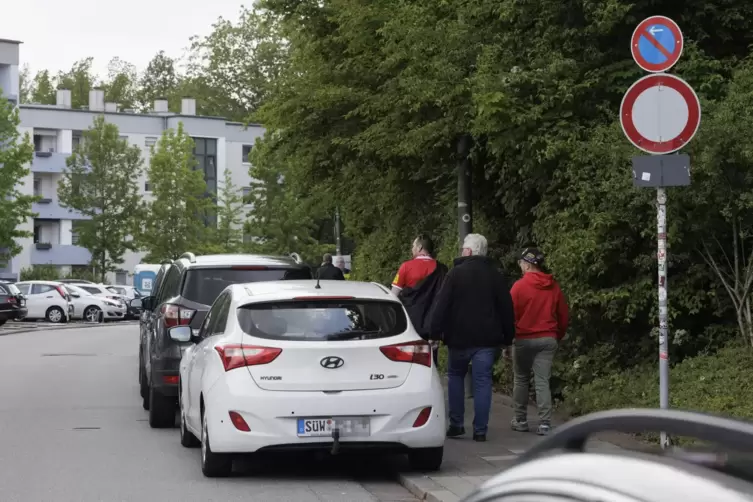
(290, 365)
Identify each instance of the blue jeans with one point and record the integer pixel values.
(482, 359)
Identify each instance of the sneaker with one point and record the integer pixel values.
(519, 426)
(454, 431)
(543, 429)
(479, 438)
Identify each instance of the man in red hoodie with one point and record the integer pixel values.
(541, 319)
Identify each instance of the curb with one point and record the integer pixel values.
(426, 489)
(53, 327)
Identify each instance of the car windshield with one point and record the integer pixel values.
(204, 285)
(13, 289)
(323, 320)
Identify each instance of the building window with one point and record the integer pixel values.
(150, 141)
(37, 233)
(123, 138)
(76, 141)
(147, 187)
(246, 195)
(75, 233)
(246, 153)
(205, 153)
(121, 277)
(37, 187)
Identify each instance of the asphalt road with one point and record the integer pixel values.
(72, 430)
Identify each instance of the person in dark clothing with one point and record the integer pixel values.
(417, 284)
(329, 272)
(474, 311)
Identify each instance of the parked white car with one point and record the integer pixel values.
(128, 292)
(46, 300)
(284, 364)
(87, 306)
(101, 290)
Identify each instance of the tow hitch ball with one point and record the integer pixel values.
(336, 441)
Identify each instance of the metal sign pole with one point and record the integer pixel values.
(661, 229)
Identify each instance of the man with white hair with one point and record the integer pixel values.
(474, 311)
(340, 263)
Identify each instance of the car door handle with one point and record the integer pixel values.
(49, 297)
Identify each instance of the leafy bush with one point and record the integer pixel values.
(41, 273)
(713, 383)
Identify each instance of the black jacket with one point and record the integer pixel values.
(330, 272)
(474, 307)
(419, 299)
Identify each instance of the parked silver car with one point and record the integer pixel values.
(559, 470)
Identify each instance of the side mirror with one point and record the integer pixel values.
(181, 334)
(136, 303)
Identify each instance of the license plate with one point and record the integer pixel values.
(324, 427)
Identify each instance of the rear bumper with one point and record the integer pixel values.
(272, 415)
(165, 376)
(17, 314)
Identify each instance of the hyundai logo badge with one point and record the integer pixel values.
(331, 362)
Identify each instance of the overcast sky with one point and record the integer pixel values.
(55, 33)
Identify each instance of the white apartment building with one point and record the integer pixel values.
(57, 129)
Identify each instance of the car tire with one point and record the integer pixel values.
(91, 313)
(187, 439)
(161, 410)
(55, 315)
(213, 465)
(426, 459)
(3, 321)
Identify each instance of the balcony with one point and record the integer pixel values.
(48, 162)
(60, 255)
(48, 209)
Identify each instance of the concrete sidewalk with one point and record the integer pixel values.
(467, 464)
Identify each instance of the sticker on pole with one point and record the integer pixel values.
(660, 113)
(656, 44)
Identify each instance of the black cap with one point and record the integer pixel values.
(532, 256)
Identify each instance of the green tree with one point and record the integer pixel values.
(42, 89)
(230, 215)
(281, 222)
(175, 221)
(25, 84)
(16, 152)
(233, 69)
(101, 182)
(80, 79)
(160, 80)
(121, 83)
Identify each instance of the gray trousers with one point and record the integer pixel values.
(533, 355)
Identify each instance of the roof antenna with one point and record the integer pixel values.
(317, 280)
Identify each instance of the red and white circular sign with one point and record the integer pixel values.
(660, 113)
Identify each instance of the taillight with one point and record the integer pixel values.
(237, 356)
(170, 379)
(62, 292)
(12, 299)
(176, 315)
(411, 352)
(238, 421)
(423, 417)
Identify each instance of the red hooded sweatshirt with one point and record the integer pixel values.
(540, 307)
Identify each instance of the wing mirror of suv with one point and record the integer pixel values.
(136, 303)
(181, 334)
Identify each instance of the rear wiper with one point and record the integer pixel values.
(354, 334)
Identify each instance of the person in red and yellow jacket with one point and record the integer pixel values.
(541, 319)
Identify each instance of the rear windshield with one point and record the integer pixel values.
(323, 320)
(204, 285)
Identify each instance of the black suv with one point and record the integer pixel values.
(183, 293)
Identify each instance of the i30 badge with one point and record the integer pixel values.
(331, 362)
